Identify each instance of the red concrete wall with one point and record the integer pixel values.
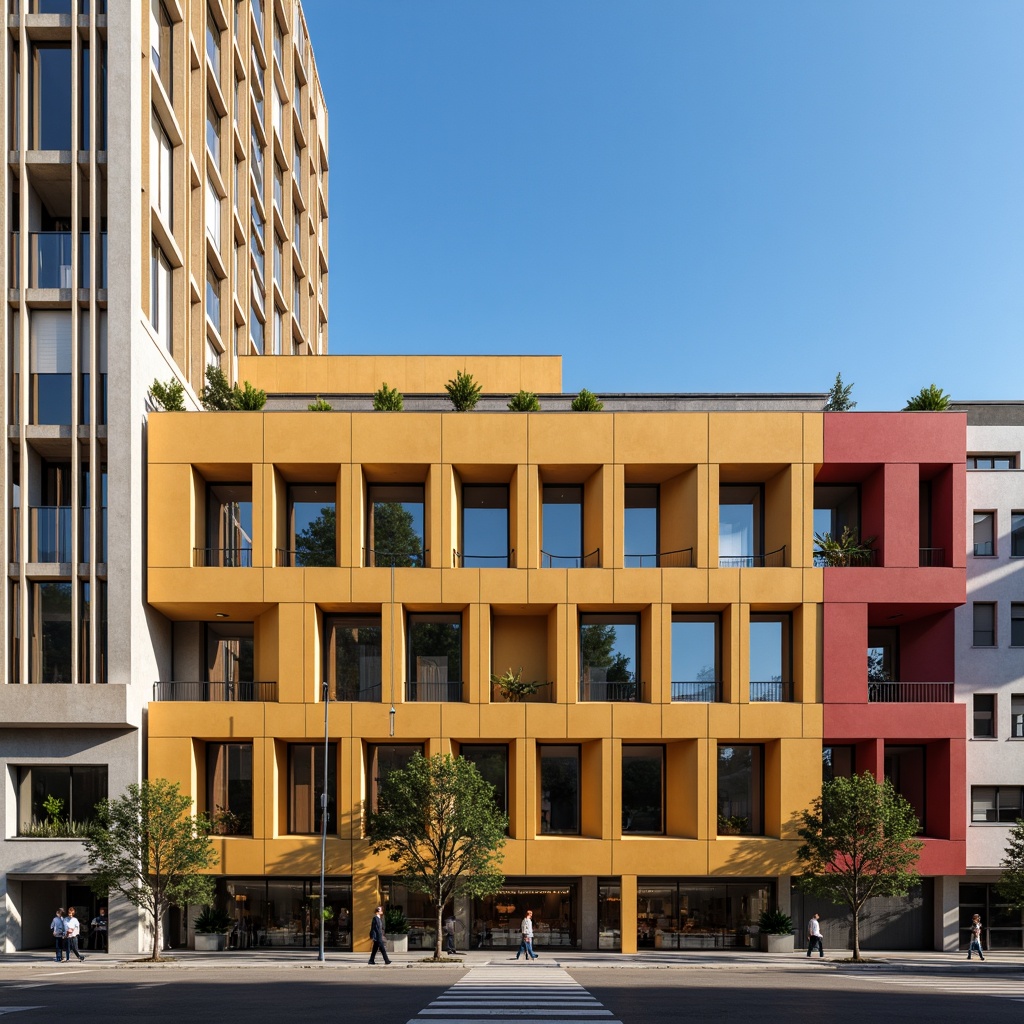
(895, 437)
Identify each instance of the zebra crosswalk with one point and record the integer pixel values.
(511, 994)
(996, 985)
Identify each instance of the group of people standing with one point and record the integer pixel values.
(66, 929)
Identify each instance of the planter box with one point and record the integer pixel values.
(777, 943)
(210, 943)
(398, 943)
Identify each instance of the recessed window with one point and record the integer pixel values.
(696, 658)
(312, 526)
(984, 715)
(229, 788)
(991, 461)
(906, 768)
(1017, 624)
(740, 526)
(485, 540)
(562, 526)
(213, 130)
(394, 525)
(984, 624)
(770, 657)
(838, 762)
(984, 533)
(435, 657)
(609, 657)
(643, 771)
(997, 803)
(352, 652)
(741, 790)
(52, 798)
(491, 761)
(1017, 716)
(1017, 532)
(228, 525)
(559, 790)
(384, 758)
(306, 787)
(50, 631)
(640, 525)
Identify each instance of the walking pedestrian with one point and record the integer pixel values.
(74, 927)
(449, 934)
(975, 946)
(814, 936)
(526, 940)
(98, 930)
(377, 937)
(59, 931)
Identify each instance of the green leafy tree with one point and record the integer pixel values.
(1011, 881)
(524, 401)
(315, 545)
(437, 820)
(387, 399)
(217, 394)
(463, 391)
(169, 395)
(320, 405)
(395, 541)
(859, 841)
(249, 399)
(929, 399)
(586, 401)
(147, 846)
(839, 399)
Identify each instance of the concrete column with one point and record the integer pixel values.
(588, 912)
(947, 913)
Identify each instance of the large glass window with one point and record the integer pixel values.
(643, 772)
(883, 654)
(213, 287)
(696, 658)
(1017, 624)
(50, 629)
(562, 526)
(1017, 533)
(228, 525)
(491, 760)
(905, 768)
(559, 790)
(740, 529)
(1003, 804)
(640, 524)
(50, 97)
(213, 212)
(160, 296)
(984, 715)
(740, 790)
(213, 43)
(50, 365)
(53, 797)
(352, 653)
(230, 654)
(984, 613)
(312, 525)
(485, 541)
(394, 525)
(836, 508)
(306, 787)
(213, 130)
(610, 657)
(1017, 716)
(160, 45)
(384, 758)
(161, 172)
(838, 762)
(984, 533)
(88, 607)
(699, 914)
(770, 657)
(1003, 924)
(435, 657)
(229, 788)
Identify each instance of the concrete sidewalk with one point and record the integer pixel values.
(996, 962)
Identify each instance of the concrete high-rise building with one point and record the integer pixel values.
(165, 202)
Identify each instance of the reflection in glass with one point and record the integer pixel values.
(491, 762)
(384, 758)
(641, 525)
(79, 788)
(643, 769)
(312, 524)
(435, 657)
(740, 790)
(696, 669)
(352, 653)
(485, 540)
(559, 790)
(739, 525)
(609, 664)
(306, 785)
(562, 526)
(50, 630)
(229, 788)
(394, 529)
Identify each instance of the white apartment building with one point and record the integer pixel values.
(165, 205)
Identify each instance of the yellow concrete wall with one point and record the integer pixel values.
(525, 616)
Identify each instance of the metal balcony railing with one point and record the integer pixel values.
(821, 561)
(931, 557)
(49, 533)
(770, 560)
(356, 691)
(202, 691)
(222, 557)
(445, 691)
(395, 559)
(697, 693)
(910, 693)
(465, 560)
(552, 561)
(602, 690)
(300, 559)
(772, 692)
(679, 559)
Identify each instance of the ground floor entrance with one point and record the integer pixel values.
(37, 900)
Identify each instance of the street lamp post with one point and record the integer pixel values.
(323, 819)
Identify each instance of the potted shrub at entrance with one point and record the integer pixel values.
(776, 929)
(212, 927)
(396, 930)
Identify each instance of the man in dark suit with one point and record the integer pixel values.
(377, 936)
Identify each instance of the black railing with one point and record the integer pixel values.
(542, 695)
(200, 691)
(846, 560)
(770, 560)
(222, 557)
(301, 559)
(551, 561)
(697, 693)
(356, 692)
(910, 693)
(932, 557)
(603, 690)
(681, 559)
(465, 560)
(773, 692)
(445, 691)
(395, 559)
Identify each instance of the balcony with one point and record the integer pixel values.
(910, 693)
(49, 533)
(294, 559)
(222, 557)
(49, 255)
(462, 560)
(444, 691)
(551, 561)
(696, 693)
(200, 691)
(771, 692)
(602, 690)
(770, 560)
(932, 557)
(680, 559)
(395, 559)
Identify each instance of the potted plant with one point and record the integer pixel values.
(843, 550)
(396, 929)
(776, 930)
(212, 926)
(512, 687)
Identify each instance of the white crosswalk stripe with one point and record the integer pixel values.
(510, 995)
(990, 985)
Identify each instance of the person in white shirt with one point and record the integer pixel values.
(74, 927)
(526, 945)
(814, 936)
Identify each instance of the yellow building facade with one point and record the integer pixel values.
(732, 756)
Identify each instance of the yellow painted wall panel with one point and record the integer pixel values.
(504, 586)
(686, 586)
(586, 720)
(762, 720)
(590, 587)
(325, 587)
(751, 857)
(548, 722)
(460, 586)
(287, 437)
(170, 538)
(576, 439)
(672, 858)
(548, 586)
(485, 438)
(409, 439)
(548, 855)
(745, 438)
(636, 587)
(288, 584)
(643, 439)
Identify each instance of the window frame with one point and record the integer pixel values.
(976, 607)
(996, 815)
(755, 792)
(565, 748)
(980, 515)
(983, 719)
(373, 777)
(230, 750)
(1017, 533)
(316, 752)
(662, 759)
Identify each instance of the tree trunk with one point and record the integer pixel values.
(158, 933)
(437, 943)
(856, 933)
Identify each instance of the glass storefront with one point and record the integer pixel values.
(609, 914)
(682, 914)
(284, 912)
(497, 918)
(1003, 925)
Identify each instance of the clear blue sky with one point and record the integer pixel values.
(683, 196)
